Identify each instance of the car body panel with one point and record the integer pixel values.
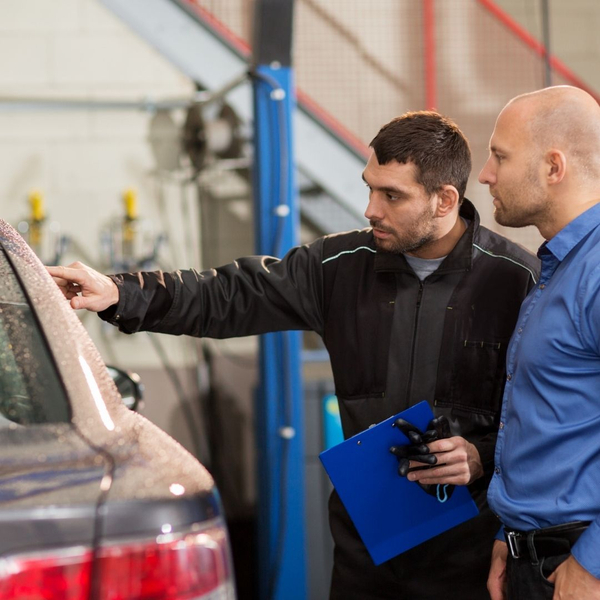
(106, 461)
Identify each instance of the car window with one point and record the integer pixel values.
(30, 388)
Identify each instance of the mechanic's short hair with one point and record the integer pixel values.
(433, 143)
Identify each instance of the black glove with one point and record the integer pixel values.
(418, 449)
(438, 429)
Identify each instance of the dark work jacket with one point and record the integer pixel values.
(342, 288)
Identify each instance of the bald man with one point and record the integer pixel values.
(544, 170)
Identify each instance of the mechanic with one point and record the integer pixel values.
(421, 305)
(544, 170)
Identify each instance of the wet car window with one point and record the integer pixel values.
(30, 389)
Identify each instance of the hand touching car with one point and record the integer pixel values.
(84, 287)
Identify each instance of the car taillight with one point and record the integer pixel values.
(185, 566)
(47, 576)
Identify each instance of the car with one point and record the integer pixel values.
(96, 502)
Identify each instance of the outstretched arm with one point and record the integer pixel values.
(84, 287)
(252, 295)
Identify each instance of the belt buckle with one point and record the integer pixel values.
(511, 538)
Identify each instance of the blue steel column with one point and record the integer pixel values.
(279, 407)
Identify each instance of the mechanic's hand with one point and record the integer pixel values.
(573, 582)
(496, 583)
(458, 463)
(421, 452)
(417, 449)
(84, 287)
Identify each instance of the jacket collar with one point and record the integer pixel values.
(460, 259)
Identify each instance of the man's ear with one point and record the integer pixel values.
(447, 200)
(555, 166)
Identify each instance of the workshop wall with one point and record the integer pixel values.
(81, 161)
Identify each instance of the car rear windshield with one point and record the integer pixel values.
(30, 388)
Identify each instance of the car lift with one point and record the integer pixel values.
(279, 406)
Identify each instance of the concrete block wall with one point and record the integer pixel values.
(83, 160)
(80, 160)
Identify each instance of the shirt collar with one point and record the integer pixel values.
(568, 237)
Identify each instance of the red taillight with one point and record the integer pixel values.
(64, 574)
(185, 566)
(177, 567)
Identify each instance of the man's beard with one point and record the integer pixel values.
(402, 246)
(521, 214)
(422, 234)
(506, 219)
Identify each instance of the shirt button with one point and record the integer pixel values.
(501, 426)
(520, 330)
(542, 286)
(497, 470)
(509, 377)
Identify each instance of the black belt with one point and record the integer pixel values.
(550, 541)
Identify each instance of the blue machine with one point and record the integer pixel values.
(279, 407)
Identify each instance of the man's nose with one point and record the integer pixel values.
(487, 175)
(374, 208)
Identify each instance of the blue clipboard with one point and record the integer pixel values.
(390, 513)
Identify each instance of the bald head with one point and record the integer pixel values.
(544, 162)
(565, 118)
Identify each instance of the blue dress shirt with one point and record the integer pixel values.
(548, 450)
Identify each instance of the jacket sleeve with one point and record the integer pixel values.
(256, 294)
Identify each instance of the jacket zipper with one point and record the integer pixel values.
(414, 340)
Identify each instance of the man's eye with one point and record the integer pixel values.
(392, 197)
(499, 158)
